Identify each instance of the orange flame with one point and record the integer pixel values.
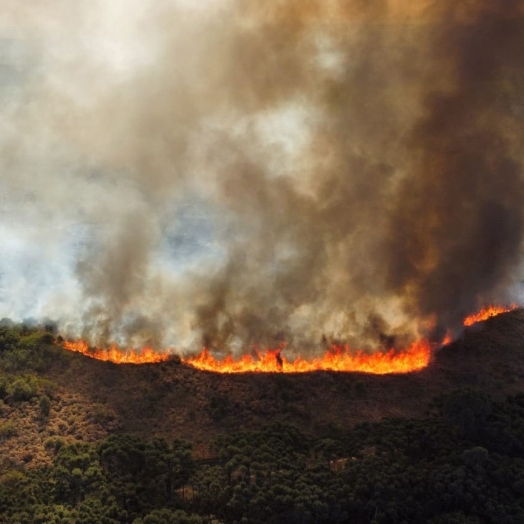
(115, 354)
(488, 312)
(338, 358)
(416, 357)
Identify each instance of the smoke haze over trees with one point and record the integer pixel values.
(252, 172)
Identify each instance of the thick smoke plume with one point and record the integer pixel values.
(256, 172)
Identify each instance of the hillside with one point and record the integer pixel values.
(84, 442)
(91, 399)
(169, 399)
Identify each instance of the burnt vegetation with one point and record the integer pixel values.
(84, 441)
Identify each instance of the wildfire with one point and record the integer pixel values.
(484, 314)
(115, 354)
(337, 358)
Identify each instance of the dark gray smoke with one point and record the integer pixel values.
(257, 172)
(457, 222)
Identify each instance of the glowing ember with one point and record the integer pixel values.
(336, 359)
(490, 311)
(117, 355)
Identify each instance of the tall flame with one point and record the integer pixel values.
(337, 358)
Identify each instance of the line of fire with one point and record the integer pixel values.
(337, 358)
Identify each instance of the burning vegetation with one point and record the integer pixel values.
(341, 169)
(115, 354)
(484, 314)
(337, 358)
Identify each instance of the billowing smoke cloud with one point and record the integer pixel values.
(456, 225)
(251, 172)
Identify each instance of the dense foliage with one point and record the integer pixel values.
(435, 470)
(462, 464)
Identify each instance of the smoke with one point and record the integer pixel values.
(458, 219)
(256, 172)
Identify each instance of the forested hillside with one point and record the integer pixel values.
(165, 444)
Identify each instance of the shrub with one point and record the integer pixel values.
(9, 338)
(54, 444)
(476, 455)
(45, 405)
(4, 383)
(48, 387)
(22, 389)
(7, 430)
(102, 415)
(36, 340)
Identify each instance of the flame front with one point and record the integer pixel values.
(115, 354)
(337, 358)
(484, 314)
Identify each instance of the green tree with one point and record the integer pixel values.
(45, 405)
